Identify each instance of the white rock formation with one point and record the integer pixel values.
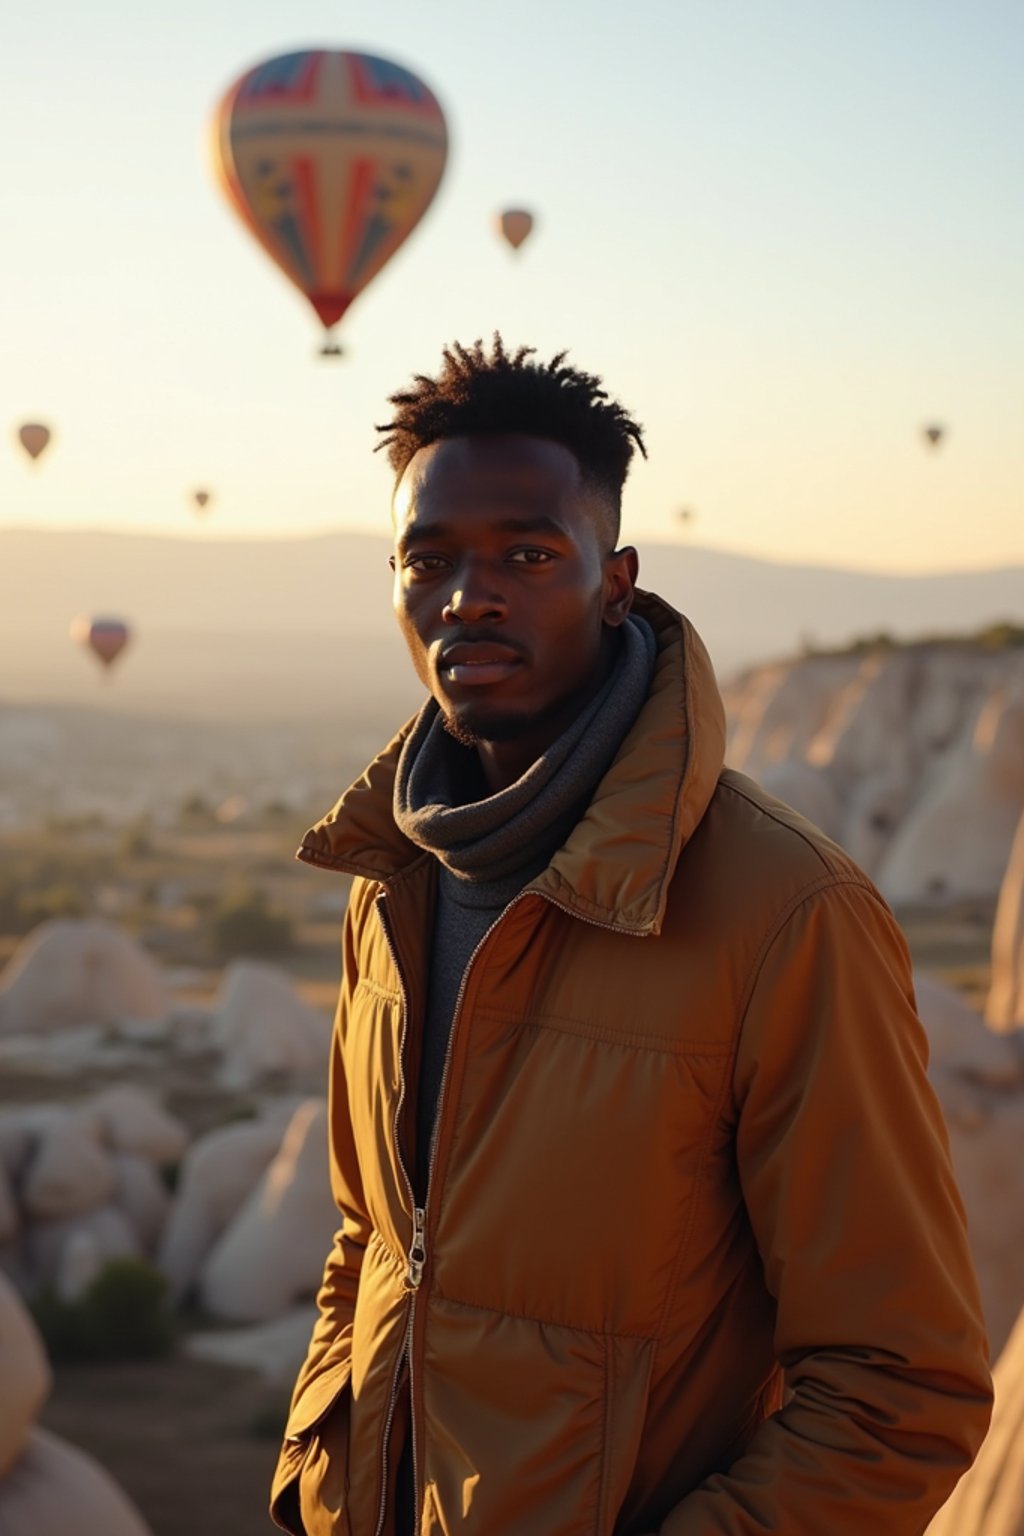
(986, 1144)
(78, 972)
(54, 1489)
(127, 1118)
(979, 1078)
(956, 840)
(69, 1173)
(875, 806)
(1005, 1006)
(47, 1244)
(989, 1500)
(776, 711)
(79, 1262)
(190, 1031)
(218, 1173)
(276, 1349)
(272, 1255)
(865, 732)
(21, 1129)
(808, 791)
(933, 728)
(965, 1055)
(24, 1378)
(47, 1488)
(16, 1142)
(141, 1195)
(264, 1028)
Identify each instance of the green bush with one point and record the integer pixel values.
(245, 924)
(84, 821)
(60, 1324)
(136, 842)
(122, 1315)
(194, 809)
(1000, 636)
(37, 907)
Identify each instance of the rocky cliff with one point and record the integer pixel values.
(911, 757)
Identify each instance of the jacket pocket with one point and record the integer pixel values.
(284, 1492)
(628, 1365)
(323, 1473)
(317, 1400)
(313, 1409)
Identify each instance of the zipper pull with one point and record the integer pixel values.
(418, 1250)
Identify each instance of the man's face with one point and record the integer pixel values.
(504, 589)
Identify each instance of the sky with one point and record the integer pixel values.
(786, 235)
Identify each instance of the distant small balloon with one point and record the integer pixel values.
(934, 434)
(33, 437)
(201, 499)
(686, 514)
(106, 638)
(515, 224)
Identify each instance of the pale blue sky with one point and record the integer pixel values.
(786, 234)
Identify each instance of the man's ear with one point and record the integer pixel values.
(621, 569)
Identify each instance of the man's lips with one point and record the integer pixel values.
(478, 662)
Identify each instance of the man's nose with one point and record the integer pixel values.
(474, 602)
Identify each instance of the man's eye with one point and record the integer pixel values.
(424, 563)
(531, 556)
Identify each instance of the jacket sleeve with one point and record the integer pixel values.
(328, 1358)
(844, 1166)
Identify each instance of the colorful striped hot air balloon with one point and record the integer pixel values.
(106, 638)
(331, 159)
(34, 437)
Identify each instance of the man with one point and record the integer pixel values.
(648, 1217)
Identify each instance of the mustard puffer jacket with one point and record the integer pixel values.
(691, 1259)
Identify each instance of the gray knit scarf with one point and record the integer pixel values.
(496, 836)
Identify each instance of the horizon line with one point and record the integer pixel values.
(205, 535)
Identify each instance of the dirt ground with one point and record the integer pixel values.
(192, 1444)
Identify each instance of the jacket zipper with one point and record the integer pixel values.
(417, 1255)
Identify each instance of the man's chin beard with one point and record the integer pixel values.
(478, 726)
(497, 728)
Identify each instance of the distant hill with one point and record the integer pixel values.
(302, 627)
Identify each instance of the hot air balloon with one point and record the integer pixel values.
(33, 437)
(515, 224)
(106, 638)
(933, 434)
(331, 159)
(201, 499)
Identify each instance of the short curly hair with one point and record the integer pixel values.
(477, 392)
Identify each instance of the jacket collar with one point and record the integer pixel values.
(617, 864)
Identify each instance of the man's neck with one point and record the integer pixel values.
(503, 762)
